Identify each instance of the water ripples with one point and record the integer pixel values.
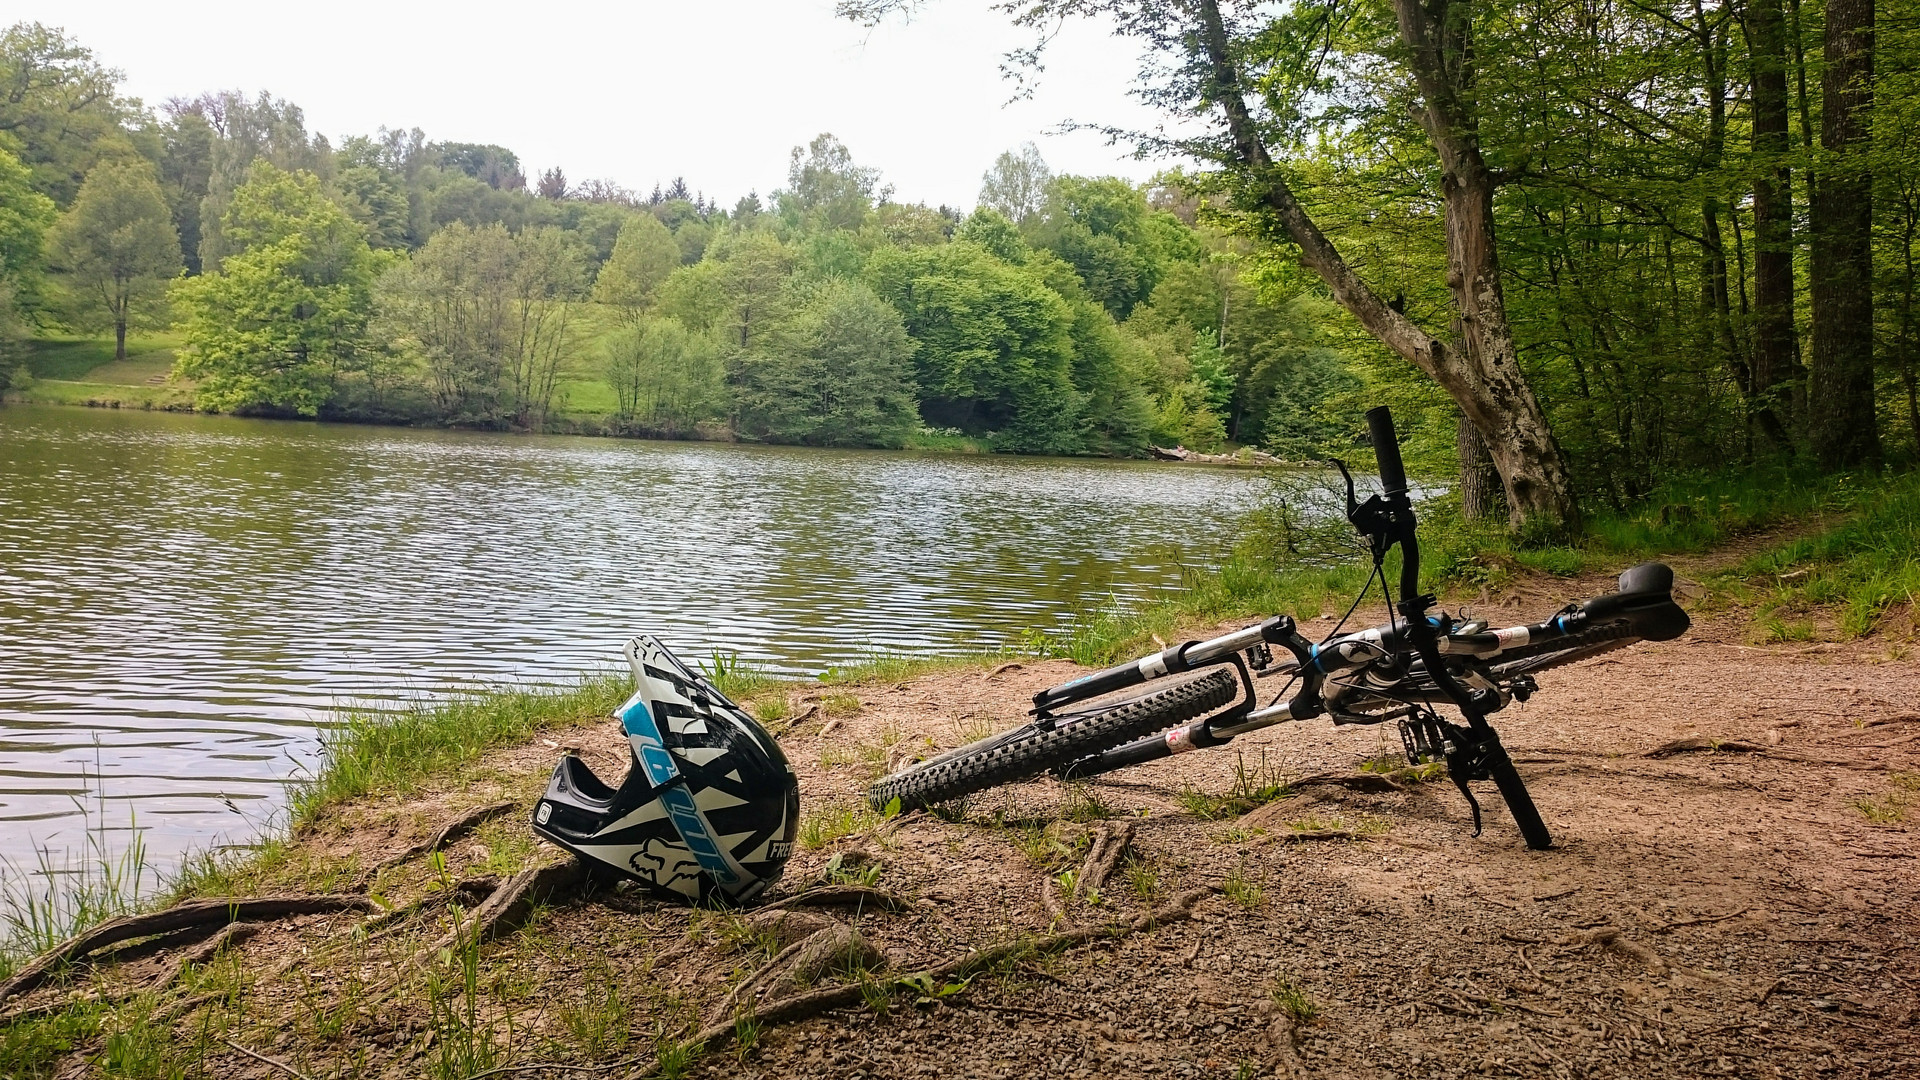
(183, 600)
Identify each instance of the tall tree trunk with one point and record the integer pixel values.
(1841, 422)
(1776, 361)
(1478, 481)
(1716, 294)
(1483, 376)
(120, 338)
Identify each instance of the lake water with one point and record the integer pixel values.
(183, 599)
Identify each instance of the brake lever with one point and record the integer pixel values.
(1353, 503)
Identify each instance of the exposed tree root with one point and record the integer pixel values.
(1109, 847)
(843, 896)
(1298, 836)
(788, 925)
(506, 909)
(178, 917)
(812, 1003)
(1358, 781)
(838, 947)
(1692, 745)
(1050, 899)
(1611, 939)
(451, 831)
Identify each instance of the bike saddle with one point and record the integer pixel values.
(1645, 601)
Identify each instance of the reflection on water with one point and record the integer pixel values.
(183, 598)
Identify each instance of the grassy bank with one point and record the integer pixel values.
(1835, 556)
(372, 753)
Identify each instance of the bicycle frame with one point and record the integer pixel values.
(1415, 648)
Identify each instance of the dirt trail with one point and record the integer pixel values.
(1707, 912)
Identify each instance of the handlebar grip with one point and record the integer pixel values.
(1386, 450)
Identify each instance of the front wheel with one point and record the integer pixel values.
(1032, 750)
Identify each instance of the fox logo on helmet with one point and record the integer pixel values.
(709, 806)
(665, 866)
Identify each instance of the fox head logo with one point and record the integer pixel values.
(667, 865)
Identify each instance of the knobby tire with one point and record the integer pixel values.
(1030, 751)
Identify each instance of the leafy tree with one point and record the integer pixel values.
(285, 317)
(990, 229)
(495, 166)
(186, 168)
(56, 104)
(836, 374)
(118, 248)
(667, 379)
(490, 316)
(995, 347)
(1016, 186)
(261, 129)
(25, 217)
(826, 188)
(643, 256)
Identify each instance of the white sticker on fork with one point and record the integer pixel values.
(1152, 667)
(1180, 740)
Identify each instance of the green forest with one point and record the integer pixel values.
(392, 278)
(1581, 249)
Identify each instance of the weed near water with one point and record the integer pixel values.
(880, 665)
(371, 750)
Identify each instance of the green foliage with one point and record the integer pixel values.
(834, 374)
(489, 315)
(287, 314)
(642, 257)
(118, 247)
(395, 752)
(58, 109)
(995, 345)
(825, 189)
(665, 378)
(25, 217)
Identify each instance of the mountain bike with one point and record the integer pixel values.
(1406, 670)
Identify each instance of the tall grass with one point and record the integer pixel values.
(67, 891)
(371, 750)
(1860, 567)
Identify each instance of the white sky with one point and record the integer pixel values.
(640, 92)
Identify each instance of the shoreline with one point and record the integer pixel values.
(115, 396)
(1255, 883)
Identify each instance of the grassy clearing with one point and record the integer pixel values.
(103, 395)
(1860, 568)
(74, 359)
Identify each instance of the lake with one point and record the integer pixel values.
(184, 599)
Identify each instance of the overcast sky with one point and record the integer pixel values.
(642, 91)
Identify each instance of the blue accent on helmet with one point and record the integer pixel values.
(664, 774)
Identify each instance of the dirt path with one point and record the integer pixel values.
(1708, 912)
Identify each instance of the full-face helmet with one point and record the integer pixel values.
(709, 806)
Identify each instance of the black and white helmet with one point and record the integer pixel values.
(709, 806)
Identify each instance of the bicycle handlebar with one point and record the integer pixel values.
(1386, 450)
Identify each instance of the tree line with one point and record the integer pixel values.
(394, 278)
(1609, 240)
